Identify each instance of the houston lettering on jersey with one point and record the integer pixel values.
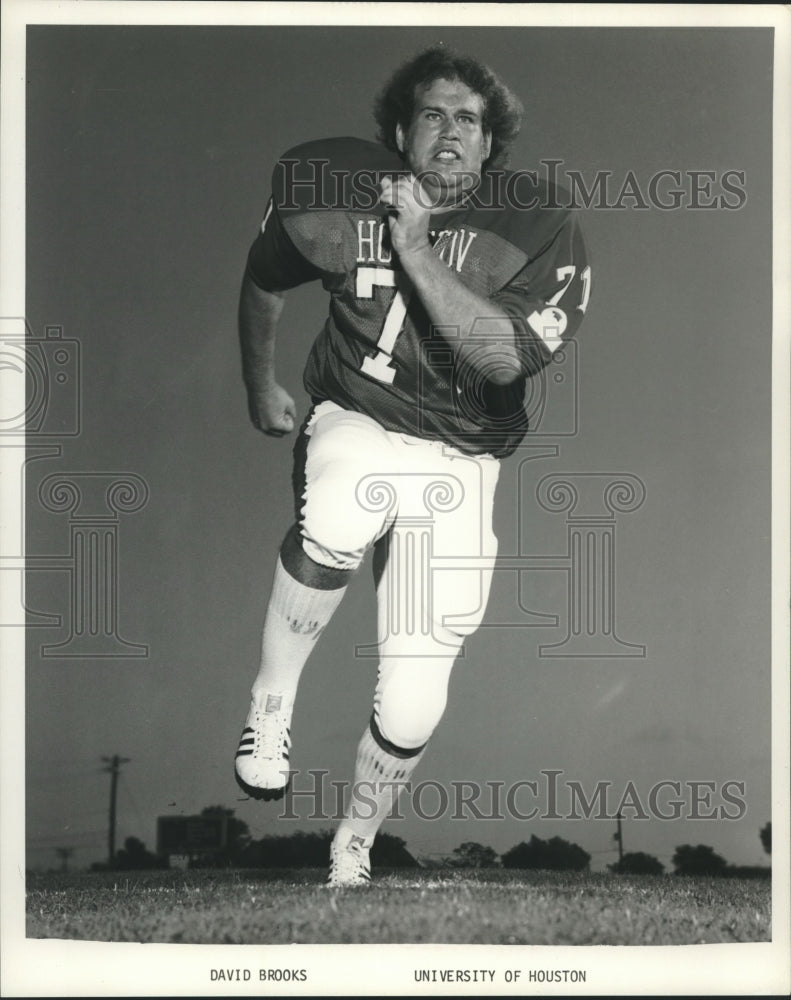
(373, 244)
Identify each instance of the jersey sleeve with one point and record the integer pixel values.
(274, 263)
(547, 299)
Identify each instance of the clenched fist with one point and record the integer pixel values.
(272, 410)
(409, 212)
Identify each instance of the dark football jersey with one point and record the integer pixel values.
(378, 352)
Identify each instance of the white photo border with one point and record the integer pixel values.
(64, 968)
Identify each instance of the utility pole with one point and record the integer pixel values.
(619, 837)
(114, 767)
(64, 853)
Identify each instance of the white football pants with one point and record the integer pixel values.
(428, 508)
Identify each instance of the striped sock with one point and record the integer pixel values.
(295, 618)
(380, 774)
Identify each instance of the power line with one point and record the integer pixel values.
(82, 845)
(61, 835)
(65, 775)
(53, 820)
(128, 789)
(64, 770)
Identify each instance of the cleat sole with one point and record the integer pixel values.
(264, 794)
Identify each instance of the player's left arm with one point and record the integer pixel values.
(547, 300)
(447, 301)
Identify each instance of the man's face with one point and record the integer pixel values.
(445, 142)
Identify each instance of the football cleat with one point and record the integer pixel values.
(349, 862)
(262, 768)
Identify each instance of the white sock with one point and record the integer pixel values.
(295, 618)
(379, 775)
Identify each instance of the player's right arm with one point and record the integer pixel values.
(273, 266)
(272, 410)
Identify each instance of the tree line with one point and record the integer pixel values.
(309, 850)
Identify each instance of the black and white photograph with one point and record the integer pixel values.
(394, 448)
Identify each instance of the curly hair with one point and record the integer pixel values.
(395, 103)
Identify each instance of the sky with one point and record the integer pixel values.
(148, 157)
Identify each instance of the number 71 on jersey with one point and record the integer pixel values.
(549, 323)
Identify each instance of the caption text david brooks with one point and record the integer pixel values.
(264, 975)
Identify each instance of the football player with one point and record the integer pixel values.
(444, 299)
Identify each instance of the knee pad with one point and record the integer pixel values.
(410, 697)
(334, 531)
(336, 528)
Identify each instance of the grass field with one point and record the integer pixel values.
(484, 906)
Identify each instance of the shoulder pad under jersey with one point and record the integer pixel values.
(338, 174)
(525, 210)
